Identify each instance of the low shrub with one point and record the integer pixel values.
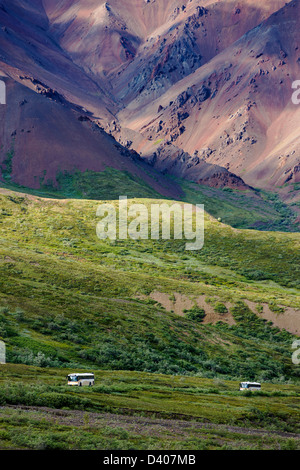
(195, 314)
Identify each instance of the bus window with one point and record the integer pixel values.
(73, 378)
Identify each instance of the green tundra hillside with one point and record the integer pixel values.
(169, 333)
(68, 298)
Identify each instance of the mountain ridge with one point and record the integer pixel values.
(207, 114)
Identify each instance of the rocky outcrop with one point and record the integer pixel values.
(169, 159)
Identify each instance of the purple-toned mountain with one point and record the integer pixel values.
(235, 111)
(199, 89)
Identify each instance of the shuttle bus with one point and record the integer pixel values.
(250, 386)
(81, 379)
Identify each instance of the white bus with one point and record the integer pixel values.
(81, 379)
(250, 386)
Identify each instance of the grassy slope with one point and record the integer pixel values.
(79, 296)
(252, 209)
(70, 300)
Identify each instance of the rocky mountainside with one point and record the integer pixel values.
(236, 110)
(199, 89)
(43, 136)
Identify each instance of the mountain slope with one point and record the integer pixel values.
(75, 299)
(192, 35)
(145, 44)
(235, 111)
(27, 49)
(42, 136)
(42, 131)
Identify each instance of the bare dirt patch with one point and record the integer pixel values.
(178, 303)
(289, 320)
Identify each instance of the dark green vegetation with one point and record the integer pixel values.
(196, 314)
(109, 184)
(253, 209)
(6, 167)
(133, 410)
(69, 300)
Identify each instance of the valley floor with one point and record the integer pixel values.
(141, 411)
(69, 429)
